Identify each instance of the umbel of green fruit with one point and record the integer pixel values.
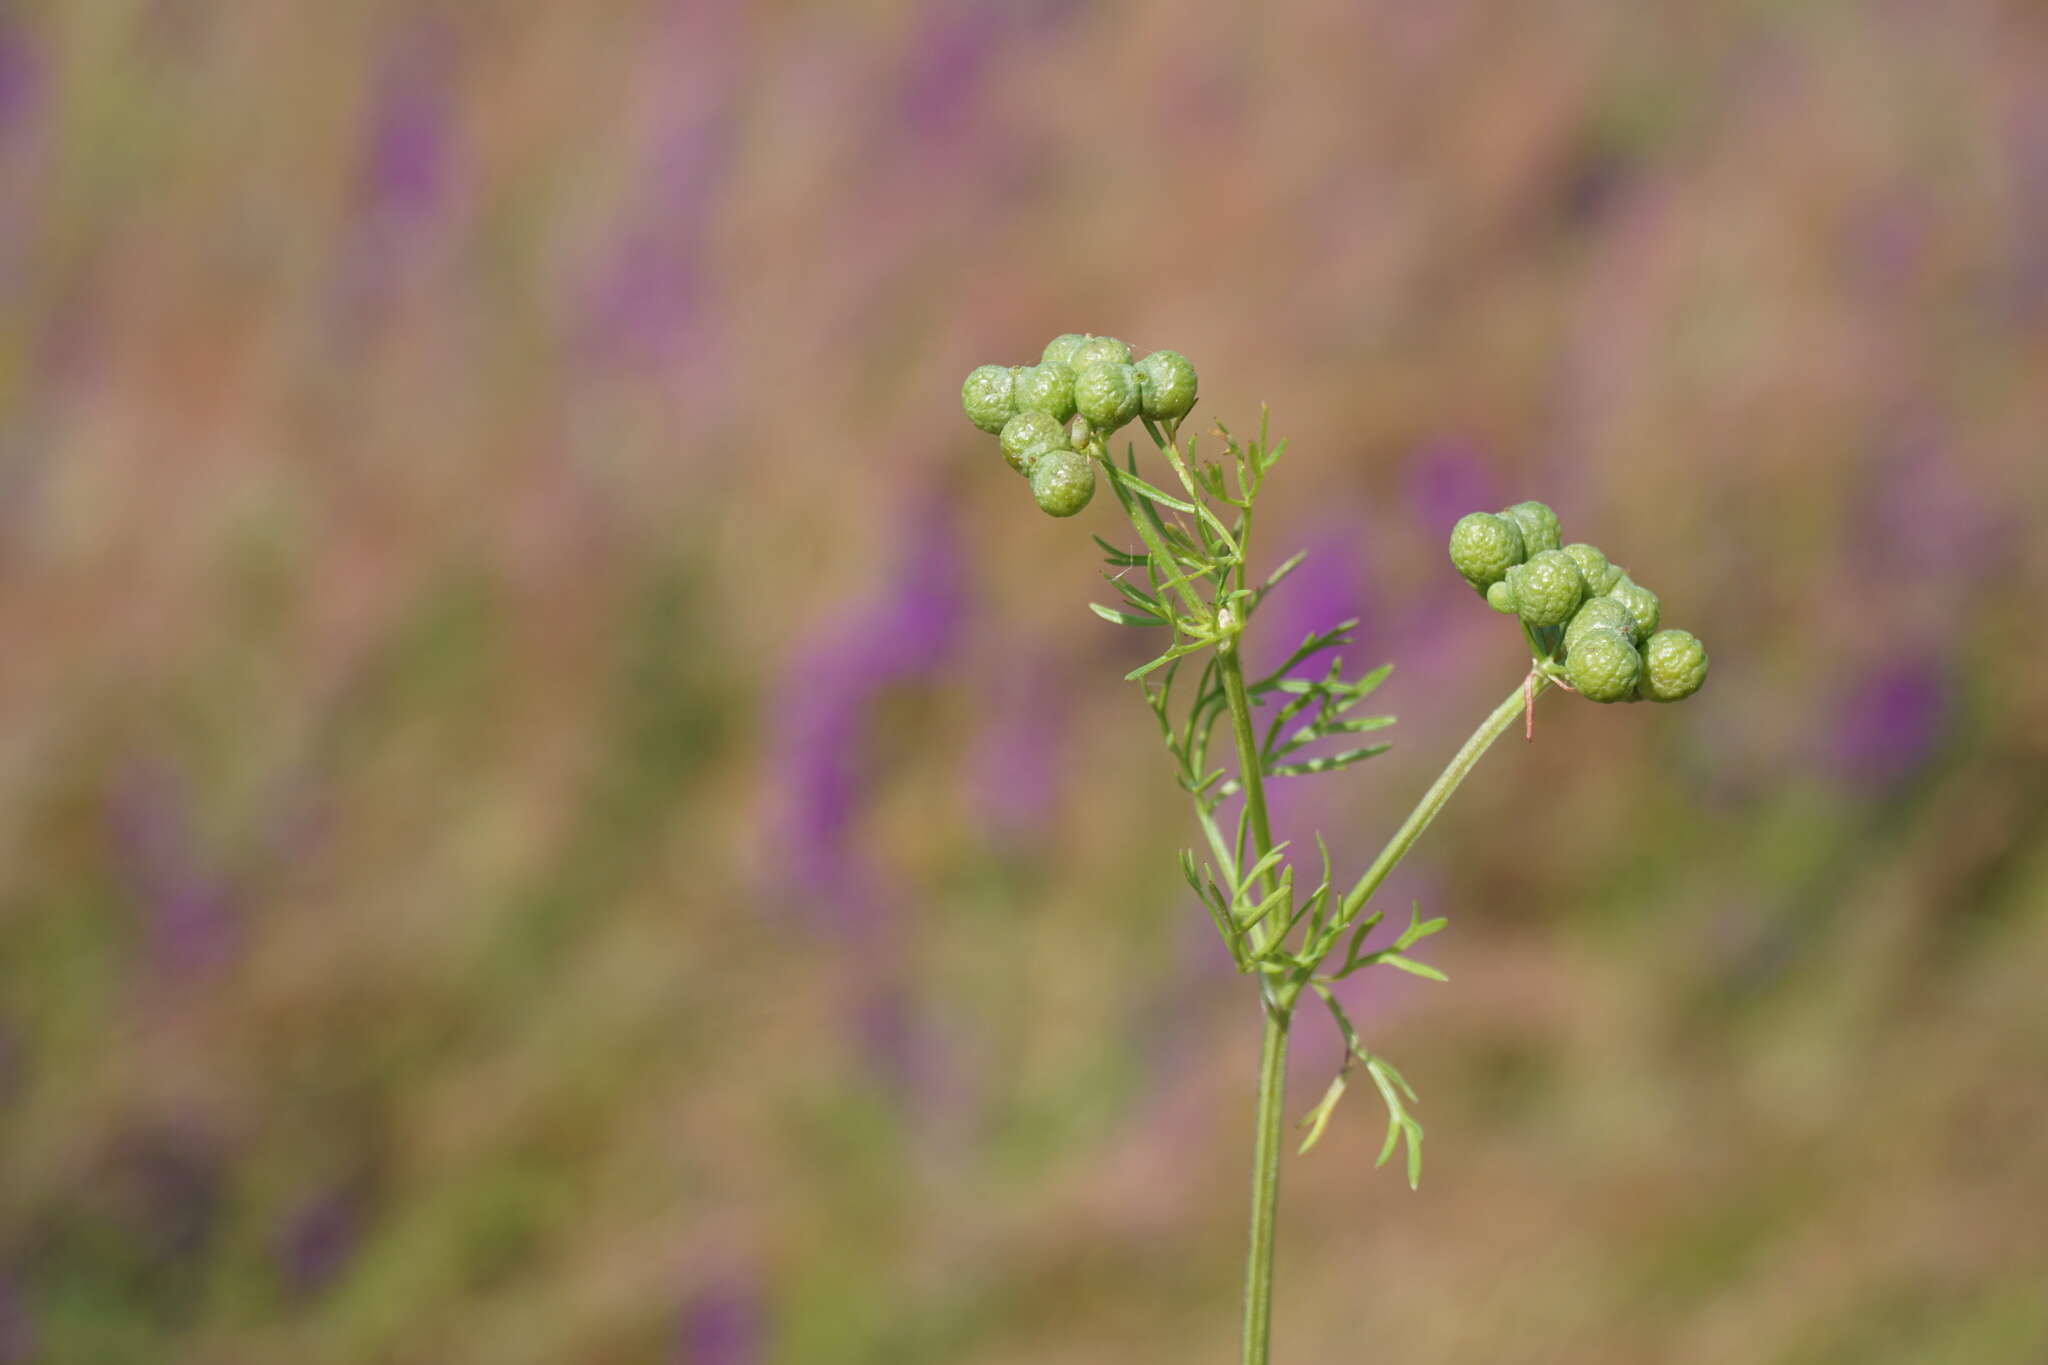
(1050, 417)
(1610, 648)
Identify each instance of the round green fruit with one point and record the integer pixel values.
(1060, 350)
(1027, 436)
(1099, 351)
(1107, 394)
(1501, 598)
(1062, 482)
(1166, 385)
(1601, 576)
(989, 397)
(1538, 524)
(1601, 613)
(1604, 667)
(1674, 666)
(1641, 604)
(1484, 547)
(1548, 588)
(1048, 389)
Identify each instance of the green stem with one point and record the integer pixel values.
(1438, 795)
(1258, 1273)
(1279, 1012)
(1251, 775)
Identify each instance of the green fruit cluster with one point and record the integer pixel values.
(1082, 389)
(1571, 596)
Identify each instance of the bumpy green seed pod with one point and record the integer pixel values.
(1097, 351)
(1060, 350)
(1674, 666)
(1167, 386)
(1601, 613)
(1048, 389)
(1605, 665)
(1063, 482)
(989, 397)
(1027, 436)
(1484, 547)
(1641, 604)
(1539, 525)
(1601, 576)
(1548, 588)
(1107, 394)
(1501, 598)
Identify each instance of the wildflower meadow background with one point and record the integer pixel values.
(558, 804)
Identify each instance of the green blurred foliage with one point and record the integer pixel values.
(559, 804)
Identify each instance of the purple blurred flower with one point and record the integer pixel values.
(188, 907)
(830, 688)
(1924, 517)
(1327, 587)
(1016, 762)
(1891, 722)
(724, 1324)
(1444, 480)
(318, 1239)
(650, 288)
(21, 75)
(948, 64)
(410, 140)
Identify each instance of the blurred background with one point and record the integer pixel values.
(560, 804)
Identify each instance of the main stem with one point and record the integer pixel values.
(1279, 1011)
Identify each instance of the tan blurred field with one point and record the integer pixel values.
(560, 805)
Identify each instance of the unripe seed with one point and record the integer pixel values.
(1027, 436)
(1060, 350)
(1674, 666)
(1601, 576)
(1048, 389)
(1548, 588)
(1604, 667)
(1107, 394)
(1167, 386)
(1484, 547)
(1641, 604)
(1539, 526)
(1601, 613)
(1080, 431)
(989, 398)
(1501, 598)
(1099, 350)
(1062, 482)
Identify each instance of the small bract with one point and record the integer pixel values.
(1028, 435)
(988, 397)
(1062, 482)
(1484, 547)
(1604, 667)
